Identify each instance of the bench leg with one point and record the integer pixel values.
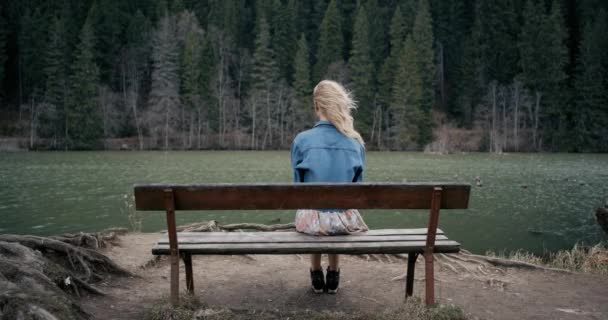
(411, 268)
(189, 279)
(174, 279)
(429, 278)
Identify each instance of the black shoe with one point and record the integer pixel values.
(332, 281)
(318, 284)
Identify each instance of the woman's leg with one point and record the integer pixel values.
(315, 262)
(334, 262)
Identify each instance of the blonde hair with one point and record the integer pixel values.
(336, 103)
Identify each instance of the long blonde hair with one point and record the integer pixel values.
(335, 103)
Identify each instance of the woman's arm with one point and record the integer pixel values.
(296, 158)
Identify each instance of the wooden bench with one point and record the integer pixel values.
(426, 241)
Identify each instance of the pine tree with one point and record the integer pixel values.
(377, 17)
(330, 41)
(406, 106)
(264, 76)
(31, 42)
(3, 52)
(591, 116)
(422, 35)
(164, 91)
(543, 60)
(556, 57)
(265, 68)
(190, 72)
(177, 6)
(409, 9)
(83, 115)
(285, 38)
(495, 33)
(302, 85)
(387, 73)
(109, 18)
(207, 70)
(361, 71)
(56, 71)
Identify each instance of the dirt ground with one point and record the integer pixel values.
(270, 282)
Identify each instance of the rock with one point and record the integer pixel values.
(601, 216)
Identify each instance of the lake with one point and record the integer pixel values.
(536, 202)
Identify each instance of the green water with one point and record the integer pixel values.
(50, 193)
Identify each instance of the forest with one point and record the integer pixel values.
(433, 75)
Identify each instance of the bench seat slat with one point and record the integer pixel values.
(268, 237)
(377, 232)
(445, 246)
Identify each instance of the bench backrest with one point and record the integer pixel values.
(301, 196)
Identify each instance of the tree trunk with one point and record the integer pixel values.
(516, 117)
(504, 120)
(198, 132)
(33, 122)
(442, 84)
(167, 128)
(536, 115)
(253, 114)
(493, 132)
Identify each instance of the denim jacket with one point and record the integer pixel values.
(324, 154)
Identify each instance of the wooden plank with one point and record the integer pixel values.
(302, 196)
(444, 246)
(374, 232)
(217, 240)
(389, 232)
(252, 238)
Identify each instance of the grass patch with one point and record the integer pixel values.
(191, 308)
(163, 310)
(586, 259)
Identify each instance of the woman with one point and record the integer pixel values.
(332, 151)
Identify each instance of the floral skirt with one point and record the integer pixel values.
(329, 223)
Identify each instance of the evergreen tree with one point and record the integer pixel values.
(83, 115)
(31, 42)
(406, 106)
(285, 38)
(556, 57)
(190, 72)
(330, 41)
(109, 19)
(302, 85)
(377, 17)
(264, 76)
(591, 116)
(422, 35)
(387, 73)
(207, 73)
(409, 9)
(177, 6)
(56, 71)
(361, 71)
(451, 27)
(495, 35)
(3, 53)
(543, 61)
(164, 91)
(264, 68)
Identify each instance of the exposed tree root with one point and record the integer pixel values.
(40, 278)
(499, 262)
(92, 240)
